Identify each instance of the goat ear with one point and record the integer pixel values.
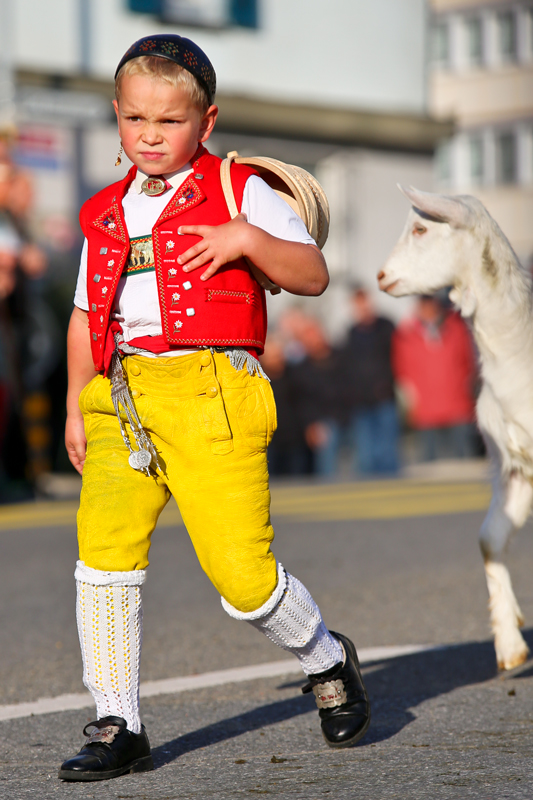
(442, 207)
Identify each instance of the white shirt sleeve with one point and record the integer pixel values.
(81, 299)
(268, 211)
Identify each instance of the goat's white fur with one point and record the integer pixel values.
(463, 247)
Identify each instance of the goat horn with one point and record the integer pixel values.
(439, 206)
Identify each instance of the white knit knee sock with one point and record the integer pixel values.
(109, 616)
(292, 620)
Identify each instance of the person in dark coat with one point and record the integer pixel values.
(319, 382)
(369, 389)
(288, 453)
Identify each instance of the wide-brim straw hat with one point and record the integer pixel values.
(295, 185)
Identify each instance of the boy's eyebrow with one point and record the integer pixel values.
(133, 112)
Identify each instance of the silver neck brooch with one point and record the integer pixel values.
(154, 186)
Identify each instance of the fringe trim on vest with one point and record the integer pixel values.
(240, 358)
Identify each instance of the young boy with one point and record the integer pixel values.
(168, 309)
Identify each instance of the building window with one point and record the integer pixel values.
(475, 41)
(441, 43)
(477, 159)
(444, 162)
(529, 155)
(203, 13)
(506, 158)
(146, 6)
(529, 31)
(244, 13)
(507, 35)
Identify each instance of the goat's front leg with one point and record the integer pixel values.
(509, 509)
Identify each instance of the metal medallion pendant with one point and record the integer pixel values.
(140, 459)
(154, 186)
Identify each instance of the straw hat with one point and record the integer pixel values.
(295, 185)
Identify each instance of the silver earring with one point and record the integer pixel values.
(118, 162)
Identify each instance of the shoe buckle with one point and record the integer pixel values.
(106, 735)
(330, 694)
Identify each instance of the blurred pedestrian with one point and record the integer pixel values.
(24, 406)
(369, 387)
(291, 327)
(319, 380)
(435, 367)
(288, 453)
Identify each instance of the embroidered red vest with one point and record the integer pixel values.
(228, 309)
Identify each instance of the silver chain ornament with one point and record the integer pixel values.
(142, 458)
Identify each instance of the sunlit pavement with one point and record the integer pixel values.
(391, 563)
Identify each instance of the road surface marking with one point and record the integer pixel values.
(315, 502)
(270, 669)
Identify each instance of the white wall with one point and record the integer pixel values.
(350, 52)
(46, 34)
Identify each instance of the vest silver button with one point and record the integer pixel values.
(199, 176)
(97, 278)
(95, 336)
(93, 307)
(190, 312)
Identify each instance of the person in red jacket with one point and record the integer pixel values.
(166, 396)
(434, 365)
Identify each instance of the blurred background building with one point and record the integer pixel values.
(482, 76)
(432, 93)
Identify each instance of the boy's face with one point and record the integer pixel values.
(159, 126)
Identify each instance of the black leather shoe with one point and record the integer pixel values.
(341, 697)
(110, 750)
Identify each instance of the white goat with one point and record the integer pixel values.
(453, 241)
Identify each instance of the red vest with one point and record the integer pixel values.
(228, 309)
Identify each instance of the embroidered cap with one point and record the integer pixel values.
(180, 50)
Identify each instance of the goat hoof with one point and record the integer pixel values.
(514, 661)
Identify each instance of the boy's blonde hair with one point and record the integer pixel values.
(168, 71)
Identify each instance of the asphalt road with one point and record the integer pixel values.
(386, 566)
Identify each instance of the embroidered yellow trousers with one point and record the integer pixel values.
(211, 425)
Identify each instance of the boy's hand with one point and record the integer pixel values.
(75, 441)
(220, 244)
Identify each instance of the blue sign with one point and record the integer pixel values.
(201, 13)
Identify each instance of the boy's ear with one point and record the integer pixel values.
(115, 106)
(207, 123)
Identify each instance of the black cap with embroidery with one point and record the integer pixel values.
(179, 49)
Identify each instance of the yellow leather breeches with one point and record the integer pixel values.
(210, 425)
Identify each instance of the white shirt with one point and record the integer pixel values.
(136, 301)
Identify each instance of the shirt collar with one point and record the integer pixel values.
(174, 178)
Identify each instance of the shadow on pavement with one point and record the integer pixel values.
(232, 727)
(395, 686)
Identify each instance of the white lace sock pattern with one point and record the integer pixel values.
(109, 616)
(294, 622)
